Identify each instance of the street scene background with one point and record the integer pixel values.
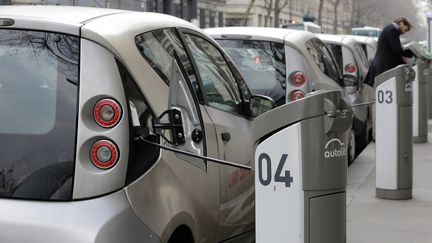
(334, 16)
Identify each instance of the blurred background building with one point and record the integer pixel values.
(334, 16)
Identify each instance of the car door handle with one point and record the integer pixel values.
(226, 137)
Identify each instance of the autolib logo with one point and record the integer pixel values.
(335, 153)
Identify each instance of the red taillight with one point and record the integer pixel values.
(107, 113)
(257, 60)
(350, 68)
(298, 78)
(297, 94)
(104, 154)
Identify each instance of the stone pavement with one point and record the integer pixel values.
(373, 220)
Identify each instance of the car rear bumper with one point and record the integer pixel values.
(107, 219)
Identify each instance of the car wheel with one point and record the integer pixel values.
(351, 148)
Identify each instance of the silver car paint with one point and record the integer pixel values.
(196, 211)
(357, 96)
(98, 71)
(292, 38)
(117, 34)
(52, 18)
(295, 61)
(172, 193)
(108, 219)
(237, 186)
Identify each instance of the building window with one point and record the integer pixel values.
(260, 20)
(202, 18)
(212, 19)
(233, 22)
(221, 19)
(177, 10)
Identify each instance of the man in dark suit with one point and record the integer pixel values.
(389, 51)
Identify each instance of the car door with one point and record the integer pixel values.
(223, 102)
(188, 187)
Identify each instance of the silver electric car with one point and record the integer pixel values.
(368, 44)
(284, 64)
(105, 116)
(352, 60)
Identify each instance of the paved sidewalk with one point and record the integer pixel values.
(372, 220)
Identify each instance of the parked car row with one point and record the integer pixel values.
(287, 64)
(88, 96)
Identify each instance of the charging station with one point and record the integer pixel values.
(393, 92)
(423, 71)
(301, 170)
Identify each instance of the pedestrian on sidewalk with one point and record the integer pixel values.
(389, 51)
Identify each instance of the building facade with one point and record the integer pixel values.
(203, 13)
(218, 13)
(297, 11)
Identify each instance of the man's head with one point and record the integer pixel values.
(404, 25)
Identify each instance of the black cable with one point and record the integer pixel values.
(218, 161)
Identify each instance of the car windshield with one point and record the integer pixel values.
(337, 54)
(262, 64)
(323, 58)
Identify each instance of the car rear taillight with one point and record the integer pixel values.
(298, 78)
(297, 94)
(257, 60)
(107, 113)
(350, 68)
(104, 154)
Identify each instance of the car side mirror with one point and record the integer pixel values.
(259, 104)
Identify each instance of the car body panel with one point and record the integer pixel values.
(98, 71)
(361, 96)
(370, 43)
(100, 220)
(292, 38)
(351, 52)
(173, 192)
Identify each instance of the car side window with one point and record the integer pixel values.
(158, 48)
(219, 85)
(362, 54)
(165, 52)
(337, 54)
(323, 58)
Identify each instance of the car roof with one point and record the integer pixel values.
(66, 14)
(104, 26)
(261, 33)
(68, 19)
(338, 39)
(364, 39)
(297, 39)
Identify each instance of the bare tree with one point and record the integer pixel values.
(320, 9)
(268, 5)
(248, 10)
(277, 9)
(375, 13)
(335, 4)
(362, 12)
